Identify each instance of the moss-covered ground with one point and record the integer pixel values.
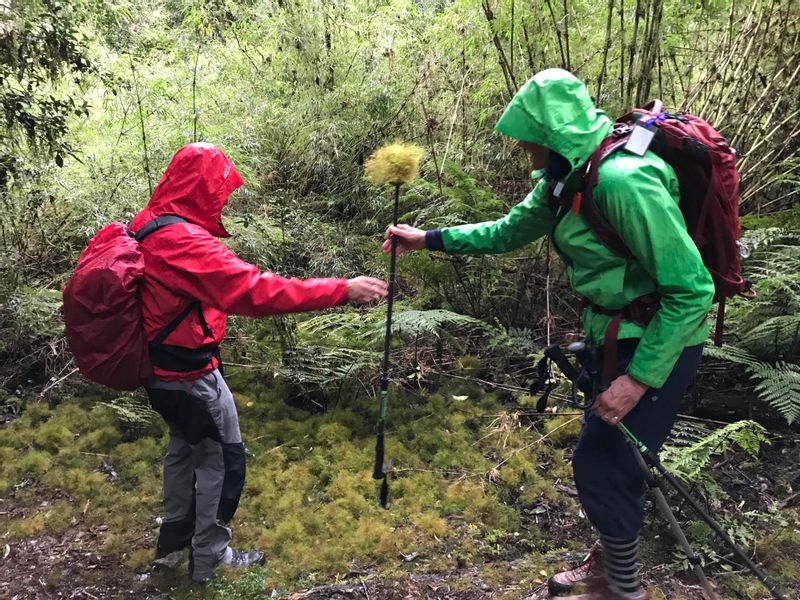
(481, 501)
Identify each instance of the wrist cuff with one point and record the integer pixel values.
(433, 240)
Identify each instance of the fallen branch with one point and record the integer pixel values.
(57, 382)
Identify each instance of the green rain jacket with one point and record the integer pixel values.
(638, 195)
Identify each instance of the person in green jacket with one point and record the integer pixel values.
(555, 120)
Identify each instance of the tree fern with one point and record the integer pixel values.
(777, 384)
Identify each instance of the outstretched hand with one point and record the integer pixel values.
(366, 289)
(619, 399)
(408, 238)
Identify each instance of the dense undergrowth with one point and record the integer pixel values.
(298, 94)
(477, 481)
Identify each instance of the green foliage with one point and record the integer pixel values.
(767, 329)
(778, 383)
(415, 323)
(250, 585)
(132, 413)
(324, 366)
(743, 529)
(298, 96)
(689, 462)
(41, 43)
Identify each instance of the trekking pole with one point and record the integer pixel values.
(588, 359)
(654, 484)
(396, 164)
(650, 456)
(379, 472)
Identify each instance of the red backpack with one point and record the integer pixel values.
(102, 309)
(709, 187)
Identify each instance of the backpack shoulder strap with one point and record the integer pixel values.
(155, 225)
(145, 230)
(599, 225)
(172, 325)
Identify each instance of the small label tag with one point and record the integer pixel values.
(558, 189)
(639, 140)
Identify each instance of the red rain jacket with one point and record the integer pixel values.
(184, 262)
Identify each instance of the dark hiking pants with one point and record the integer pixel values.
(610, 482)
(204, 468)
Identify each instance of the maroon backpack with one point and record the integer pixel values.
(709, 188)
(102, 308)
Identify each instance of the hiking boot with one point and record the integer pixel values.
(244, 558)
(233, 558)
(588, 575)
(169, 560)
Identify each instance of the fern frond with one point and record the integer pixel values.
(780, 387)
(688, 462)
(766, 237)
(733, 354)
(334, 324)
(131, 411)
(686, 433)
(322, 367)
(433, 322)
(778, 384)
(776, 337)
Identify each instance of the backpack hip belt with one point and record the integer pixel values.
(641, 311)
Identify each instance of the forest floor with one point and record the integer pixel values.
(80, 493)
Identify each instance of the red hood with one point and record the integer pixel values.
(196, 186)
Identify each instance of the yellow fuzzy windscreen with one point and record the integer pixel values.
(394, 163)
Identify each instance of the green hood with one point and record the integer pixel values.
(554, 109)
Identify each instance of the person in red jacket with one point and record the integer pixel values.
(191, 282)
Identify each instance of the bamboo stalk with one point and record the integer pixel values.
(566, 36)
(558, 34)
(453, 122)
(632, 53)
(194, 95)
(511, 41)
(511, 84)
(141, 123)
(432, 146)
(606, 47)
(728, 98)
(529, 52)
(622, 50)
(755, 106)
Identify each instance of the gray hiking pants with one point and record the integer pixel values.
(204, 468)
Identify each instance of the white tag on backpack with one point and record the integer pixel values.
(639, 140)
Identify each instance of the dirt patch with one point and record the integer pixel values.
(66, 566)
